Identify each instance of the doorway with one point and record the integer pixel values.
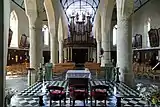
(80, 56)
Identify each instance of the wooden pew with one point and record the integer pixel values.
(61, 67)
(17, 69)
(93, 66)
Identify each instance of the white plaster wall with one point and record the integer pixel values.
(139, 19)
(23, 25)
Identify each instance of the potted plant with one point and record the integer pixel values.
(149, 93)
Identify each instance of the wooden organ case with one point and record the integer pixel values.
(80, 42)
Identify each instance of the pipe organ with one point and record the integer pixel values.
(80, 38)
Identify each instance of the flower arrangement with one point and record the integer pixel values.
(150, 93)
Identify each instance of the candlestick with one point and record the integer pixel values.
(42, 60)
(40, 66)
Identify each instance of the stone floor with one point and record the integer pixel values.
(20, 83)
(29, 97)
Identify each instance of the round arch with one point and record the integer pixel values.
(14, 28)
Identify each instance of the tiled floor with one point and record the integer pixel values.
(29, 97)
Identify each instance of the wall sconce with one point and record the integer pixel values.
(16, 58)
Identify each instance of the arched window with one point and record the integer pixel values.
(14, 28)
(115, 35)
(148, 29)
(46, 35)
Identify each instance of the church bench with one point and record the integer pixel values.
(17, 69)
(61, 67)
(92, 66)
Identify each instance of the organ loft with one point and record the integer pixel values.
(80, 42)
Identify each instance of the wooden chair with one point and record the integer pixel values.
(56, 93)
(78, 92)
(147, 70)
(141, 70)
(99, 92)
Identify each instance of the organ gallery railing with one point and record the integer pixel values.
(89, 41)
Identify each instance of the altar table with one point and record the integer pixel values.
(78, 77)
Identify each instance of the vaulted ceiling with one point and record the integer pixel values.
(93, 3)
(19, 3)
(70, 6)
(80, 6)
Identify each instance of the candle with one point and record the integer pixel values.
(40, 65)
(42, 60)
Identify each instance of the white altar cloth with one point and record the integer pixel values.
(78, 74)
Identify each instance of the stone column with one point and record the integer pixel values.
(71, 53)
(34, 13)
(94, 55)
(68, 54)
(106, 59)
(98, 51)
(49, 45)
(111, 35)
(60, 51)
(98, 36)
(53, 47)
(124, 41)
(65, 53)
(4, 30)
(105, 31)
(36, 43)
(91, 53)
(33, 45)
(39, 42)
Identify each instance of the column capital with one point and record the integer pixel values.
(52, 33)
(35, 23)
(60, 38)
(60, 41)
(124, 8)
(123, 18)
(32, 16)
(30, 7)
